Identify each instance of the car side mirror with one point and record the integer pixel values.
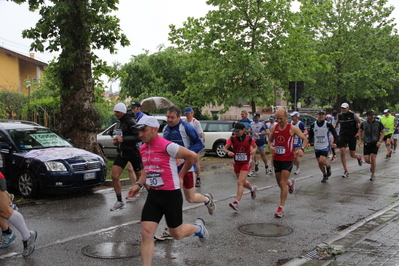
(4, 145)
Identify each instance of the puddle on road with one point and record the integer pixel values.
(265, 229)
(112, 250)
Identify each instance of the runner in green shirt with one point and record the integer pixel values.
(388, 121)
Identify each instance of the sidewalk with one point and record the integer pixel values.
(371, 241)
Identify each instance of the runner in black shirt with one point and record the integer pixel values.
(349, 126)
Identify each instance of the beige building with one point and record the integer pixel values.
(19, 72)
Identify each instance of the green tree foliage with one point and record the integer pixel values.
(11, 103)
(356, 43)
(243, 49)
(76, 28)
(160, 74)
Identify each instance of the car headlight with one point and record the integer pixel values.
(55, 167)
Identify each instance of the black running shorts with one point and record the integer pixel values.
(135, 161)
(370, 148)
(163, 202)
(3, 184)
(279, 166)
(345, 141)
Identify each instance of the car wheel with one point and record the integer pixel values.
(219, 149)
(27, 185)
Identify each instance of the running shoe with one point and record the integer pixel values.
(325, 178)
(297, 172)
(234, 205)
(328, 174)
(279, 213)
(253, 193)
(251, 173)
(271, 170)
(30, 244)
(117, 206)
(372, 178)
(386, 157)
(131, 198)
(390, 153)
(6, 239)
(256, 166)
(203, 234)
(198, 182)
(334, 158)
(359, 160)
(210, 205)
(291, 188)
(345, 174)
(165, 235)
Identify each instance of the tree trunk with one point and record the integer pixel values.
(79, 119)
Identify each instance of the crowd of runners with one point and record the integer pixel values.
(168, 166)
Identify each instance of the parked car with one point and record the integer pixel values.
(307, 119)
(36, 160)
(216, 134)
(104, 138)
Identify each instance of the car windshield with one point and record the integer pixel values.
(37, 138)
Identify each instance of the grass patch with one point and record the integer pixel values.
(125, 173)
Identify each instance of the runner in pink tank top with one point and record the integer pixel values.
(164, 194)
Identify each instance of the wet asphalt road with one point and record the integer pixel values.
(315, 212)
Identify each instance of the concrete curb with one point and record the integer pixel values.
(308, 261)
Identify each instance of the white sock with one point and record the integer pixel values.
(207, 200)
(17, 220)
(199, 228)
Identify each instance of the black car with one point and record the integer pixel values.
(37, 160)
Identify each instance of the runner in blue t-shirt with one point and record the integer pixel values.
(258, 132)
(245, 120)
(297, 141)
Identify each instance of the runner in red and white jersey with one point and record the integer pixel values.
(281, 143)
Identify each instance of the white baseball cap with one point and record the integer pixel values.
(147, 120)
(295, 114)
(120, 107)
(344, 105)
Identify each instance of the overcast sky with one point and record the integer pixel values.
(145, 23)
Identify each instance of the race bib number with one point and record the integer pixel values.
(386, 129)
(296, 140)
(280, 149)
(321, 139)
(241, 157)
(154, 180)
